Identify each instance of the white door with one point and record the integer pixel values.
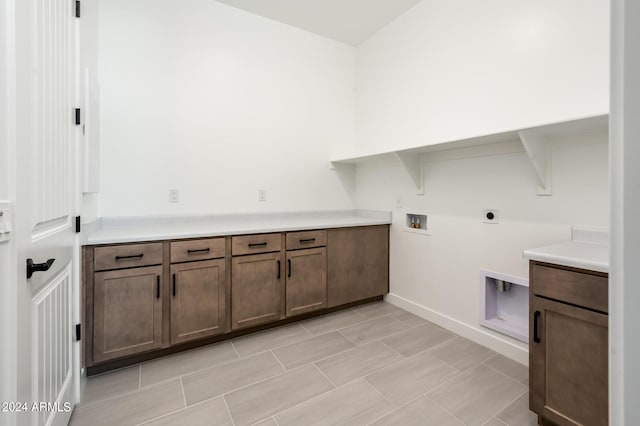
(45, 206)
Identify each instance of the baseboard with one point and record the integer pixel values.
(484, 338)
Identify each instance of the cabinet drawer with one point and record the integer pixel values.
(127, 256)
(259, 243)
(306, 239)
(185, 251)
(577, 288)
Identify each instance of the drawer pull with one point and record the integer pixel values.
(158, 287)
(289, 264)
(206, 250)
(278, 269)
(307, 240)
(174, 285)
(536, 315)
(252, 245)
(135, 256)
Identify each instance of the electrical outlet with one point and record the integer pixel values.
(262, 195)
(174, 196)
(399, 203)
(490, 216)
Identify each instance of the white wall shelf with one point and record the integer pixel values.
(533, 140)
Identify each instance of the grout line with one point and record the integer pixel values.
(279, 362)
(306, 400)
(235, 349)
(301, 339)
(403, 357)
(325, 376)
(503, 373)
(275, 420)
(375, 389)
(140, 376)
(445, 410)
(175, 411)
(184, 394)
(228, 410)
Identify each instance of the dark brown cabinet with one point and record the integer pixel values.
(306, 272)
(143, 300)
(358, 263)
(568, 348)
(127, 308)
(197, 300)
(256, 289)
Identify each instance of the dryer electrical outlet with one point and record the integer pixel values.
(490, 216)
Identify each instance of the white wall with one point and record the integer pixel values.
(219, 103)
(624, 278)
(440, 273)
(447, 70)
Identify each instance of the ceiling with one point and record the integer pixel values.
(348, 21)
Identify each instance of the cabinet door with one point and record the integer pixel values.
(256, 282)
(306, 280)
(569, 364)
(197, 300)
(358, 263)
(127, 312)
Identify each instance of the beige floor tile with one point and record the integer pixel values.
(511, 368)
(477, 395)
(132, 408)
(357, 403)
(518, 413)
(378, 309)
(211, 413)
(162, 369)
(264, 399)
(333, 321)
(373, 329)
(269, 339)
(229, 376)
(407, 379)
(358, 362)
(313, 349)
(109, 385)
(417, 339)
(421, 412)
(494, 422)
(268, 422)
(409, 318)
(462, 353)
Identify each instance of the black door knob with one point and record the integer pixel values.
(38, 267)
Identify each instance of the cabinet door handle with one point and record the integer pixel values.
(536, 315)
(174, 285)
(289, 265)
(198, 251)
(135, 256)
(251, 245)
(158, 287)
(307, 240)
(278, 269)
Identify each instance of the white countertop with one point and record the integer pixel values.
(153, 228)
(588, 250)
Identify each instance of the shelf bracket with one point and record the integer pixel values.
(346, 173)
(539, 152)
(414, 166)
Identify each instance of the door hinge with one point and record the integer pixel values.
(77, 116)
(78, 332)
(77, 224)
(77, 8)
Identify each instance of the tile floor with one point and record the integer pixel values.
(371, 365)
